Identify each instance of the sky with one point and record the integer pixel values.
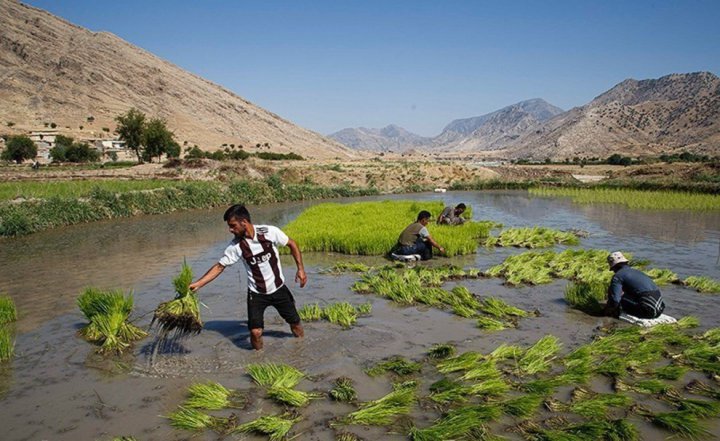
(329, 65)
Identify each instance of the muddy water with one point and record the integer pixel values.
(57, 389)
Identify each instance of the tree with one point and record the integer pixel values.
(157, 139)
(81, 152)
(130, 129)
(173, 150)
(19, 148)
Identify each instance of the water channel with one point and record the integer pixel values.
(56, 388)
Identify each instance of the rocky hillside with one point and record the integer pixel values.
(389, 138)
(52, 71)
(495, 130)
(648, 117)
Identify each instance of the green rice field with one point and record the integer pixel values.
(652, 200)
(76, 189)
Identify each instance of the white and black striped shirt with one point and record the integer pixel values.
(261, 258)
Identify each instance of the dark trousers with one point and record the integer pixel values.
(419, 247)
(647, 305)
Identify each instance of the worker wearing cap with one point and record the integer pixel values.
(632, 291)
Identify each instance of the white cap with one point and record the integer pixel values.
(615, 258)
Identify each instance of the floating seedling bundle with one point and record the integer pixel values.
(383, 411)
(280, 379)
(182, 314)
(108, 313)
(342, 313)
(213, 396)
(275, 426)
(535, 237)
(703, 284)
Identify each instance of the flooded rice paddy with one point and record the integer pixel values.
(57, 388)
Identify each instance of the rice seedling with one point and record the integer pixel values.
(490, 324)
(491, 387)
(460, 295)
(651, 386)
(447, 391)
(653, 200)
(8, 311)
(378, 233)
(688, 322)
(616, 430)
(342, 313)
(349, 267)
(700, 388)
(458, 423)
(310, 313)
(542, 386)
(703, 284)
(538, 357)
(384, 410)
(670, 372)
(462, 362)
(274, 374)
(662, 277)
(108, 312)
(586, 297)
(213, 396)
(290, 396)
(498, 308)
(182, 314)
(682, 423)
(7, 344)
(590, 404)
(535, 237)
(505, 351)
(124, 438)
(699, 408)
(702, 356)
(364, 308)
(441, 351)
(484, 370)
(192, 419)
(276, 427)
(397, 365)
(346, 436)
(712, 336)
(524, 406)
(343, 390)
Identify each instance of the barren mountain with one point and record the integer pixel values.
(52, 71)
(389, 138)
(670, 114)
(495, 130)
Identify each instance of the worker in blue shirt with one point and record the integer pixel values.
(631, 291)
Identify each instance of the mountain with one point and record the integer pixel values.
(635, 118)
(52, 71)
(389, 138)
(495, 130)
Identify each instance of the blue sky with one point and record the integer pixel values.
(327, 65)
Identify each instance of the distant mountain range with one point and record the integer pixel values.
(673, 113)
(52, 71)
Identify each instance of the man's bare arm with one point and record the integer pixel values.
(208, 277)
(297, 255)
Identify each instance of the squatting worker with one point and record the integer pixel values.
(452, 216)
(632, 291)
(257, 245)
(415, 239)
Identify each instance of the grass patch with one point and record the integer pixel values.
(182, 314)
(8, 311)
(382, 223)
(533, 237)
(651, 200)
(703, 284)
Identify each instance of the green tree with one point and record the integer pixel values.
(81, 152)
(130, 129)
(156, 138)
(173, 150)
(19, 148)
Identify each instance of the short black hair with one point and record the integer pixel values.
(460, 205)
(423, 215)
(237, 211)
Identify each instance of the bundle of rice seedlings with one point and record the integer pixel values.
(384, 410)
(687, 322)
(108, 313)
(343, 390)
(8, 312)
(441, 351)
(699, 408)
(670, 372)
(544, 386)
(191, 419)
(586, 297)
(702, 356)
(595, 406)
(645, 352)
(462, 362)
(662, 277)
(124, 438)
(617, 430)
(612, 366)
(213, 396)
(364, 308)
(310, 313)
(538, 357)
(290, 396)
(461, 296)
(491, 387)
(274, 374)
(703, 284)
(682, 423)
(458, 423)
(490, 324)
(700, 388)
(448, 391)
(653, 387)
(342, 313)
(712, 335)
(464, 311)
(498, 308)
(7, 345)
(524, 406)
(182, 314)
(505, 351)
(277, 427)
(482, 371)
(353, 267)
(397, 365)
(346, 436)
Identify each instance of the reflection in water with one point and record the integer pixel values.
(45, 272)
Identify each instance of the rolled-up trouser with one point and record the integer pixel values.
(419, 247)
(647, 305)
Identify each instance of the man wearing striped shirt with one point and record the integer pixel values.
(256, 246)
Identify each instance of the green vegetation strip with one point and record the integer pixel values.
(372, 228)
(535, 237)
(71, 203)
(703, 284)
(654, 200)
